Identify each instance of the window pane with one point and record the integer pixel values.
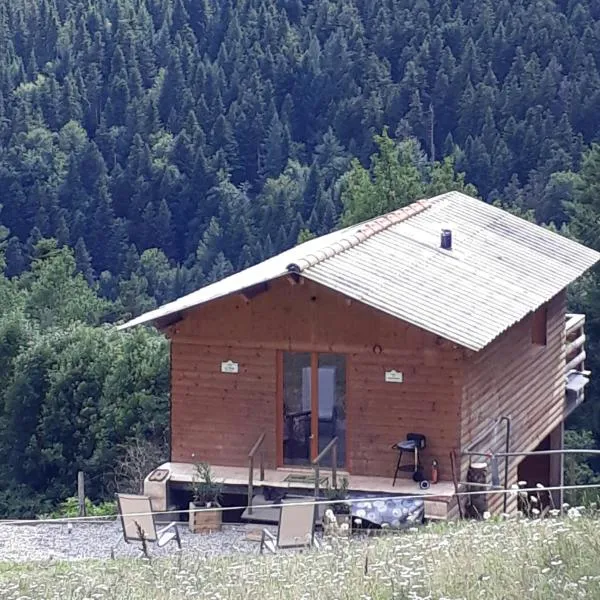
(296, 408)
(332, 405)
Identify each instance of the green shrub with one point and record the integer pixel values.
(70, 508)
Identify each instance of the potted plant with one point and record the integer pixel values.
(341, 510)
(206, 493)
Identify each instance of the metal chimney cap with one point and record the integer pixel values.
(446, 238)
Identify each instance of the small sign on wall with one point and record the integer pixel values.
(394, 376)
(230, 367)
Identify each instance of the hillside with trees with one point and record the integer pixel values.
(164, 144)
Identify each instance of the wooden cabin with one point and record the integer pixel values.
(447, 318)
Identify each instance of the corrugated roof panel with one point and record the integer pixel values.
(500, 268)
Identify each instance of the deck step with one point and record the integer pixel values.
(265, 511)
(440, 509)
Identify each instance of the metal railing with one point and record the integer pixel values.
(491, 431)
(316, 463)
(257, 446)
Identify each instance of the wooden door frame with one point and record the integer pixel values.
(314, 405)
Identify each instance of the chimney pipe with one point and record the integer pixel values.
(446, 239)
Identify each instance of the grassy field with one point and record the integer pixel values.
(539, 559)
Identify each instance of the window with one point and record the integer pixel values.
(539, 326)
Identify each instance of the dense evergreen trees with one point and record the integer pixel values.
(126, 125)
(164, 144)
(74, 394)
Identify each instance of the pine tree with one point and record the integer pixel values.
(13, 256)
(171, 91)
(275, 149)
(220, 269)
(83, 262)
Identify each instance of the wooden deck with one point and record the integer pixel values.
(439, 501)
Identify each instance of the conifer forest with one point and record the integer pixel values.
(150, 147)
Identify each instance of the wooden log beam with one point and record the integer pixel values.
(575, 362)
(295, 279)
(575, 344)
(255, 290)
(574, 321)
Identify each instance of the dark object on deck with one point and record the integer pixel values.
(413, 443)
(274, 494)
(478, 500)
(418, 475)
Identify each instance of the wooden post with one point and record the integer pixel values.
(81, 492)
(250, 483)
(478, 501)
(334, 460)
(557, 464)
(262, 465)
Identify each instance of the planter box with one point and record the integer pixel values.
(204, 521)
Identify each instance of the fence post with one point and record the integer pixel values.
(81, 492)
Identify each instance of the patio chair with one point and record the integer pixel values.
(296, 529)
(139, 523)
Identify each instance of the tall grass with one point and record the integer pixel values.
(513, 559)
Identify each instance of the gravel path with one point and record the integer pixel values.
(19, 543)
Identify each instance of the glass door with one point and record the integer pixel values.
(297, 408)
(314, 406)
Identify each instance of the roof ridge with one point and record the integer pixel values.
(367, 230)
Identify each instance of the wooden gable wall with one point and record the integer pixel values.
(218, 417)
(521, 379)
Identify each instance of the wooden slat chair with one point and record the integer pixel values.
(139, 523)
(296, 529)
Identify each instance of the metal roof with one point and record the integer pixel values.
(500, 268)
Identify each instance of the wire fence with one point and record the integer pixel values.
(513, 491)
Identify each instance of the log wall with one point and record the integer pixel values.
(217, 417)
(516, 377)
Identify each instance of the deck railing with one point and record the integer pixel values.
(331, 447)
(574, 343)
(257, 446)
